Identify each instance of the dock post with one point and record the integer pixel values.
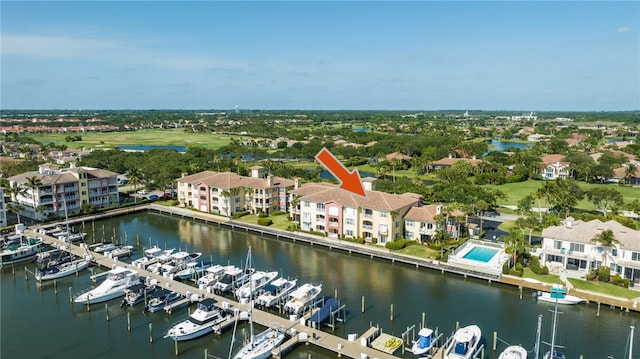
(175, 341)
(457, 325)
(598, 311)
(150, 332)
(482, 353)
(76, 269)
(70, 296)
(206, 356)
(520, 289)
(13, 269)
(391, 315)
(335, 294)
(128, 321)
(106, 309)
(423, 320)
(26, 274)
(55, 286)
(363, 304)
(495, 340)
(88, 306)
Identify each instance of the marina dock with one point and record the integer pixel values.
(297, 329)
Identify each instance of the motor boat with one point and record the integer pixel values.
(118, 279)
(22, 250)
(514, 352)
(212, 275)
(302, 297)
(105, 247)
(275, 292)
(426, 342)
(567, 299)
(192, 269)
(160, 299)
(151, 256)
(464, 343)
(61, 270)
(256, 282)
(232, 278)
(137, 293)
(199, 323)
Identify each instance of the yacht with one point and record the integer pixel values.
(118, 279)
(212, 275)
(137, 293)
(120, 251)
(105, 247)
(256, 282)
(232, 278)
(464, 343)
(302, 297)
(161, 299)
(22, 250)
(514, 352)
(275, 292)
(192, 270)
(199, 323)
(151, 256)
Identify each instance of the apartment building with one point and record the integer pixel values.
(337, 213)
(570, 246)
(422, 223)
(226, 193)
(65, 190)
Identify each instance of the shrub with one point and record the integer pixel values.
(505, 268)
(262, 215)
(265, 221)
(534, 264)
(591, 275)
(625, 282)
(240, 214)
(616, 279)
(434, 246)
(519, 269)
(374, 240)
(277, 213)
(604, 274)
(399, 244)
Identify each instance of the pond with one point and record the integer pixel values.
(497, 145)
(143, 148)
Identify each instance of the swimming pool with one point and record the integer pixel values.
(481, 254)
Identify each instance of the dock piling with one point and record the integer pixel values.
(55, 286)
(150, 332)
(423, 320)
(363, 304)
(598, 311)
(495, 341)
(128, 321)
(106, 310)
(391, 315)
(70, 296)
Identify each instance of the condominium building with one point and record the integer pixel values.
(422, 223)
(571, 246)
(325, 208)
(226, 193)
(63, 190)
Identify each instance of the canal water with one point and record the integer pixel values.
(38, 323)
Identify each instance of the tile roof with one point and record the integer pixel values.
(323, 193)
(233, 180)
(583, 232)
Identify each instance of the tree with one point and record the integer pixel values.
(482, 206)
(135, 178)
(604, 198)
(226, 194)
(15, 207)
(33, 183)
(606, 239)
(630, 172)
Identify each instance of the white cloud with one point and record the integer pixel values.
(623, 29)
(52, 47)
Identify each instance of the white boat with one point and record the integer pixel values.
(150, 257)
(261, 345)
(256, 282)
(118, 279)
(514, 352)
(426, 342)
(192, 270)
(105, 247)
(568, 299)
(232, 278)
(138, 292)
(275, 292)
(61, 270)
(300, 298)
(23, 250)
(464, 343)
(120, 251)
(70, 237)
(160, 299)
(213, 274)
(199, 323)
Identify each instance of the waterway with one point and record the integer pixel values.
(38, 323)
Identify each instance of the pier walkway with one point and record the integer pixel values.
(295, 328)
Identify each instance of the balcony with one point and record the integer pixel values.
(367, 226)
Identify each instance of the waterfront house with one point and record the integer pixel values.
(227, 193)
(422, 223)
(449, 161)
(66, 189)
(570, 246)
(377, 218)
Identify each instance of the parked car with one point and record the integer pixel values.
(167, 196)
(153, 196)
(142, 192)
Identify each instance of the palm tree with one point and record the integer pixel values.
(630, 172)
(15, 207)
(226, 194)
(233, 193)
(135, 179)
(606, 239)
(33, 183)
(395, 162)
(216, 161)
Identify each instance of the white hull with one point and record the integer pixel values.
(259, 280)
(425, 342)
(65, 269)
(284, 287)
(514, 352)
(114, 286)
(261, 345)
(302, 297)
(200, 322)
(464, 344)
(568, 299)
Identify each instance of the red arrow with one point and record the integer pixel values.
(349, 181)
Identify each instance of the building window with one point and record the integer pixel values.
(614, 252)
(306, 203)
(319, 217)
(408, 234)
(635, 256)
(410, 223)
(367, 225)
(367, 234)
(349, 221)
(368, 213)
(349, 233)
(576, 247)
(320, 228)
(383, 214)
(557, 244)
(320, 206)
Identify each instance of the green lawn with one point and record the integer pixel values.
(604, 288)
(174, 137)
(418, 251)
(548, 278)
(279, 222)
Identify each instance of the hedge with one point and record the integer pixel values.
(265, 221)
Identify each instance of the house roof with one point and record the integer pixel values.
(427, 213)
(449, 161)
(65, 175)
(232, 180)
(324, 193)
(550, 159)
(583, 232)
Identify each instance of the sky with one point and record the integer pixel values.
(321, 55)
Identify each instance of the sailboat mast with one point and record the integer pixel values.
(553, 332)
(247, 269)
(631, 342)
(537, 347)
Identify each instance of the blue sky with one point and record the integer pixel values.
(321, 55)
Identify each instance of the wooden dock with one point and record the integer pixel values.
(296, 329)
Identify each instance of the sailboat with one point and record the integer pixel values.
(558, 294)
(260, 345)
